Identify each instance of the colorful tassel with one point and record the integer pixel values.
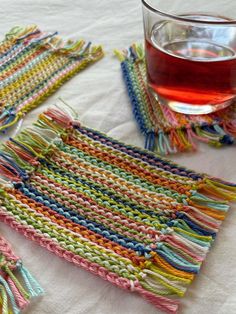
(33, 65)
(14, 294)
(127, 215)
(164, 130)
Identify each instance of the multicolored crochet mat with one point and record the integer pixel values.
(17, 291)
(34, 64)
(131, 217)
(166, 131)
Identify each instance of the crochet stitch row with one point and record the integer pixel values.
(166, 131)
(33, 64)
(129, 216)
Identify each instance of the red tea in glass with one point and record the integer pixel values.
(174, 76)
(191, 60)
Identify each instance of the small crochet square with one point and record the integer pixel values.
(166, 131)
(133, 218)
(33, 65)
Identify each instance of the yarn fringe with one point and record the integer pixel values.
(165, 131)
(73, 48)
(173, 261)
(78, 54)
(17, 287)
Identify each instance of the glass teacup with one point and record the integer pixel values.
(191, 53)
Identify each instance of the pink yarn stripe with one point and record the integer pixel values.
(50, 83)
(199, 216)
(85, 201)
(162, 303)
(101, 213)
(168, 113)
(9, 57)
(177, 244)
(200, 138)
(6, 249)
(20, 300)
(165, 304)
(190, 138)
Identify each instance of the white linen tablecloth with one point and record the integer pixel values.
(99, 96)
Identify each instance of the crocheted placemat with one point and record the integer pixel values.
(17, 285)
(166, 131)
(127, 215)
(34, 64)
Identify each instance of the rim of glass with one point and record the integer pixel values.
(182, 18)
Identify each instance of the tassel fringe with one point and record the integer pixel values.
(34, 51)
(179, 238)
(165, 131)
(16, 293)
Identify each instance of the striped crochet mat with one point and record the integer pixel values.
(166, 131)
(34, 64)
(131, 217)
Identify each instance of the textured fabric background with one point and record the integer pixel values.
(99, 95)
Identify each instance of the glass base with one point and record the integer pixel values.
(195, 109)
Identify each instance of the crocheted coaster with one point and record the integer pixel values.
(127, 215)
(17, 291)
(34, 64)
(166, 131)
